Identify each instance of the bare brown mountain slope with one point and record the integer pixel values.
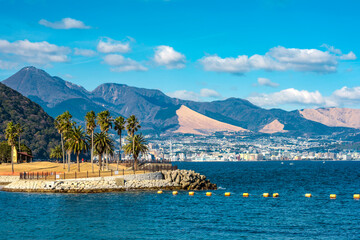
(334, 117)
(273, 127)
(195, 123)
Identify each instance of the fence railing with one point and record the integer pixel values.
(87, 174)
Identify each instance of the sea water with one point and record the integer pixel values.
(147, 215)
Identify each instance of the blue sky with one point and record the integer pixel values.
(275, 53)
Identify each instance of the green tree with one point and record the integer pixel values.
(90, 119)
(133, 126)
(67, 125)
(102, 144)
(56, 152)
(77, 142)
(5, 152)
(59, 126)
(136, 145)
(119, 126)
(11, 135)
(19, 130)
(63, 124)
(105, 122)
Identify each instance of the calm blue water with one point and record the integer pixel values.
(146, 215)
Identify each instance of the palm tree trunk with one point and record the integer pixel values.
(119, 158)
(78, 162)
(133, 143)
(69, 159)
(12, 159)
(100, 160)
(135, 162)
(107, 160)
(92, 151)
(63, 150)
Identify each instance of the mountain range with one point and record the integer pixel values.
(160, 113)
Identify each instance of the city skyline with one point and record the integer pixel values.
(273, 53)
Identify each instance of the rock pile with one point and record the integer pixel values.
(170, 180)
(189, 180)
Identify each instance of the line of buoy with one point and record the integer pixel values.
(265, 195)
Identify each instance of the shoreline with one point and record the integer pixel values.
(165, 180)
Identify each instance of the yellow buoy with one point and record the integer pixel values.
(333, 196)
(245, 194)
(208, 194)
(265, 195)
(308, 195)
(175, 192)
(356, 196)
(191, 193)
(159, 192)
(275, 195)
(227, 194)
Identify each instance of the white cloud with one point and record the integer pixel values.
(168, 57)
(35, 52)
(332, 49)
(289, 96)
(349, 56)
(185, 95)
(338, 52)
(4, 65)
(122, 64)
(348, 93)
(65, 23)
(108, 45)
(206, 92)
(84, 52)
(267, 82)
(193, 96)
(278, 59)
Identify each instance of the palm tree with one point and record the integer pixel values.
(63, 124)
(19, 130)
(132, 127)
(105, 121)
(119, 126)
(67, 125)
(59, 127)
(102, 144)
(11, 135)
(136, 145)
(90, 119)
(56, 153)
(77, 142)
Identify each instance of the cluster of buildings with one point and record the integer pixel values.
(245, 148)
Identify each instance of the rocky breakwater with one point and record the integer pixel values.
(168, 180)
(189, 180)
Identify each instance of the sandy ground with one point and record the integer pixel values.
(50, 167)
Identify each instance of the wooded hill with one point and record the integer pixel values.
(39, 131)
